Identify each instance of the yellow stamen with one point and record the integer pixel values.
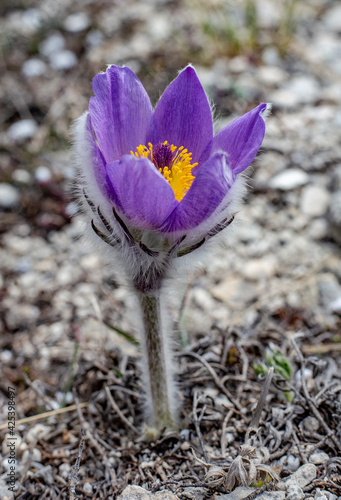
(178, 173)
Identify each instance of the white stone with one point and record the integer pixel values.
(6, 356)
(305, 88)
(22, 176)
(36, 455)
(42, 174)
(332, 18)
(63, 60)
(79, 21)
(9, 195)
(335, 306)
(8, 441)
(271, 75)
(53, 43)
(33, 67)
(22, 130)
(318, 229)
(87, 487)
(315, 200)
(258, 269)
(289, 179)
(284, 98)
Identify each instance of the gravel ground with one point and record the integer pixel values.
(271, 298)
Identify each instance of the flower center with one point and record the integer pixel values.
(172, 162)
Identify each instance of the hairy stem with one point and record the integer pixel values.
(157, 363)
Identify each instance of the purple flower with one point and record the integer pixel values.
(163, 170)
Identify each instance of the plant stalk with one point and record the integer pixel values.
(157, 362)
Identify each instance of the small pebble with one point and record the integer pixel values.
(289, 179)
(21, 176)
(6, 356)
(87, 487)
(64, 470)
(294, 492)
(314, 200)
(94, 38)
(33, 67)
(39, 431)
(303, 476)
(53, 43)
(319, 458)
(42, 175)
(22, 130)
(293, 463)
(63, 60)
(79, 21)
(9, 195)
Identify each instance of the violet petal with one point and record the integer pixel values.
(214, 179)
(140, 192)
(121, 112)
(98, 161)
(183, 115)
(240, 139)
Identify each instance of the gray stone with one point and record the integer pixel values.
(138, 493)
(22, 130)
(271, 75)
(94, 38)
(303, 476)
(44, 474)
(5, 494)
(33, 67)
(273, 495)
(324, 495)
(293, 463)
(315, 200)
(289, 179)
(318, 458)
(63, 60)
(9, 195)
(335, 306)
(39, 431)
(194, 493)
(79, 21)
(329, 290)
(53, 43)
(294, 492)
(305, 88)
(242, 492)
(237, 494)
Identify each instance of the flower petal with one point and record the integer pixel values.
(183, 115)
(214, 179)
(98, 162)
(121, 112)
(140, 192)
(241, 139)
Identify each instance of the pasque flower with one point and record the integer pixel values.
(158, 185)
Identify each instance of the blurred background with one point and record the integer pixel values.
(61, 307)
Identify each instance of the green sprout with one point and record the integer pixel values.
(276, 359)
